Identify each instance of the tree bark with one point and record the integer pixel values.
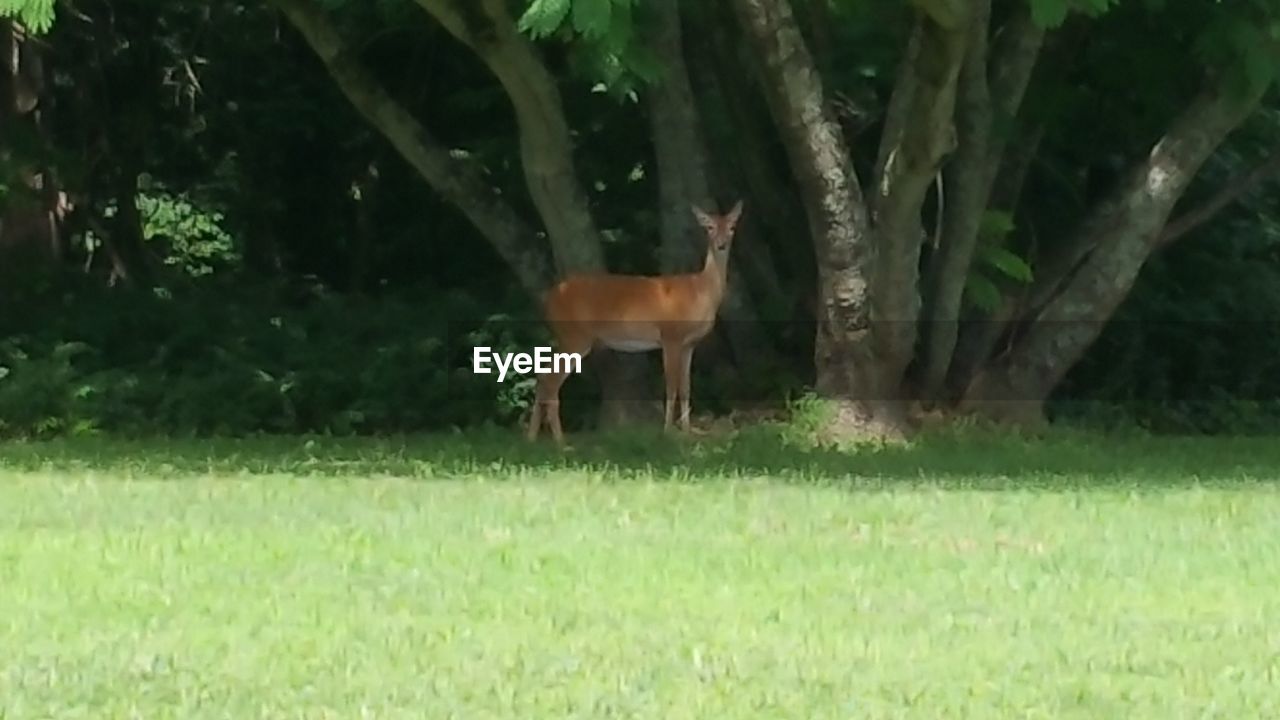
(754, 267)
(31, 227)
(848, 368)
(364, 232)
(1120, 233)
(678, 148)
(926, 136)
(546, 146)
(459, 181)
(985, 95)
(744, 145)
(1229, 193)
(982, 331)
(962, 217)
(129, 257)
(682, 162)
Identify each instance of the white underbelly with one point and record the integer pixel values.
(629, 345)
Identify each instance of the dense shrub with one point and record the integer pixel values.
(209, 360)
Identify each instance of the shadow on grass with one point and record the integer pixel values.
(1062, 459)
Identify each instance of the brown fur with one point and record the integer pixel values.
(637, 313)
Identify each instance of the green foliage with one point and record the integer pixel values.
(193, 237)
(544, 17)
(1242, 44)
(35, 15)
(1052, 13)
(1005, 261)
(46, 395)
(252, 173)
(604, 38)
(982, 293)
(992, 257)
(207, 361)
(593, 19)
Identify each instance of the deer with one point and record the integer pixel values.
(638, 313)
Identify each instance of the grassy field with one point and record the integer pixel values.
(474, 577)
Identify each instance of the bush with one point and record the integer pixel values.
(209, 360)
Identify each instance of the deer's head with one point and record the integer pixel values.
(719, 228)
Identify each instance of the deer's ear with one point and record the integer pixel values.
(704, 219)
(735, 213)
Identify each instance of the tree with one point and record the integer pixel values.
(34, 202)
(927, 286)
(956, 86)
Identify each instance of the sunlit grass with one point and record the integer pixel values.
(475, 577)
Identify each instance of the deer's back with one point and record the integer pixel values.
(631, 313)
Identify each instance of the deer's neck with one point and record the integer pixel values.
(715, 273)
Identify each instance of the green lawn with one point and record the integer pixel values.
(473, 577)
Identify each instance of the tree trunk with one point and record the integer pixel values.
(982, 331)
(682, 163)
(743, 145)
(31, 226)
(927, 135)
(962, 216)
(130, 260)
(848, 368)
(678, 148)
(628, 389)
(546, 149)
(1120, 234)
(972, 174)
(546, 146)
(366, 184)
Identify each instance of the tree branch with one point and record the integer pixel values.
(927, 136)
(1229, 193)
(949, 14)
(897, 113)
(967, 176)
(1016, 55)
(546, 145)
(1119, 235)
(459, 181)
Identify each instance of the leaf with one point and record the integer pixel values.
(995, 225)
(1094, 8)
(36, 15)
(1237, 45)
(1006, 262)
(591, 17)
(1048, 13)
(982, 292)
(619, 35)
(543, 17)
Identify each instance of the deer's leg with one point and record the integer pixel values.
(547, 399)
(686, 362)
(671, 373)
(552, 403)
(535, 416)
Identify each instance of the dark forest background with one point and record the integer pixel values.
(299, 216)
